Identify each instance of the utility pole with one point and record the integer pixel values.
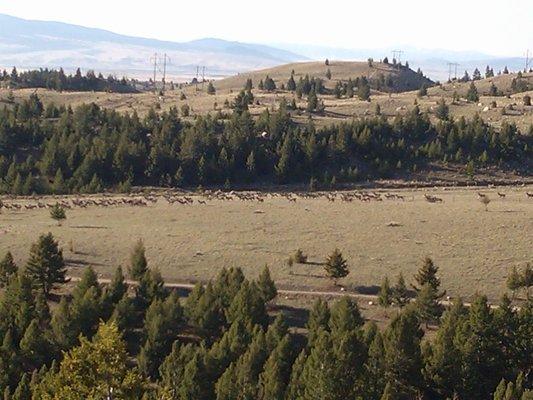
(203, 77)
(527, 61)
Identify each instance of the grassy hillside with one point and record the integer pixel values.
(340, 70)
(508, 108)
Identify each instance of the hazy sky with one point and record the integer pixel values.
(502, 27)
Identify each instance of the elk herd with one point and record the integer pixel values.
(10, 203)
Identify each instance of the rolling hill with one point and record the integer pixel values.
(405, 79)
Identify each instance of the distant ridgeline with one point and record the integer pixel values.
(88, 149)
(57, 80)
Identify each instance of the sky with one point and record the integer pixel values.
(501, 28)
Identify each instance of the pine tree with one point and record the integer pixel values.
(35, 347)
(427, 274)
(8, 268)
(211, 88)
(162, 322)
(291, 84)
(117, 288)
(312, 101)
(514, 281)
(441, 355)
(138, 264)
(345, 317)
(266, 285)
(402, 358)
(399, 292)
(248, 306)
(193, 386)
(472, 94)
(274, 378)
(336, 266)
(57, 213)
(63, 326)
(385, 293)
(363, 90)
(318, 319)
(46, 266)
(427, 304)
(442, 112)
(319, 373)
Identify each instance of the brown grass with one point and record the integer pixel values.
(474, 249)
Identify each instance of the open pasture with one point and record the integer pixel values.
(190, 236)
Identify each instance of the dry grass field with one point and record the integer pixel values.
(336, 110)
(475, 249)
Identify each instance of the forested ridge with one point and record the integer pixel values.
(223, 342)
(58, 80)
(87, 149)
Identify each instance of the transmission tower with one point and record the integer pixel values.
(527, 61)
(399, 53)
(154, 60)
(450, 65)
(166, 59)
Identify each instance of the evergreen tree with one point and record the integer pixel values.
(291, 84)
(275, 376)
(472, 94)
(266, 285)
(385, 293)
(211, 88)
(402, 358)
(57, 213)
(400, 292)
(63, 326)
(443, 111)
(161, 325)
(336, 266)
(318, 319)
(248, 306)
(8, 268)
(138, 264)
(46, 266)
(427, 304)
(363, 90)
(427, 274)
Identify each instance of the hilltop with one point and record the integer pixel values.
(404, 78)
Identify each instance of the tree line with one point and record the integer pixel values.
(87, 149)
(57, 80)
(126, 341)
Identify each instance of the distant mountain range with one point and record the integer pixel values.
(36, 44)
